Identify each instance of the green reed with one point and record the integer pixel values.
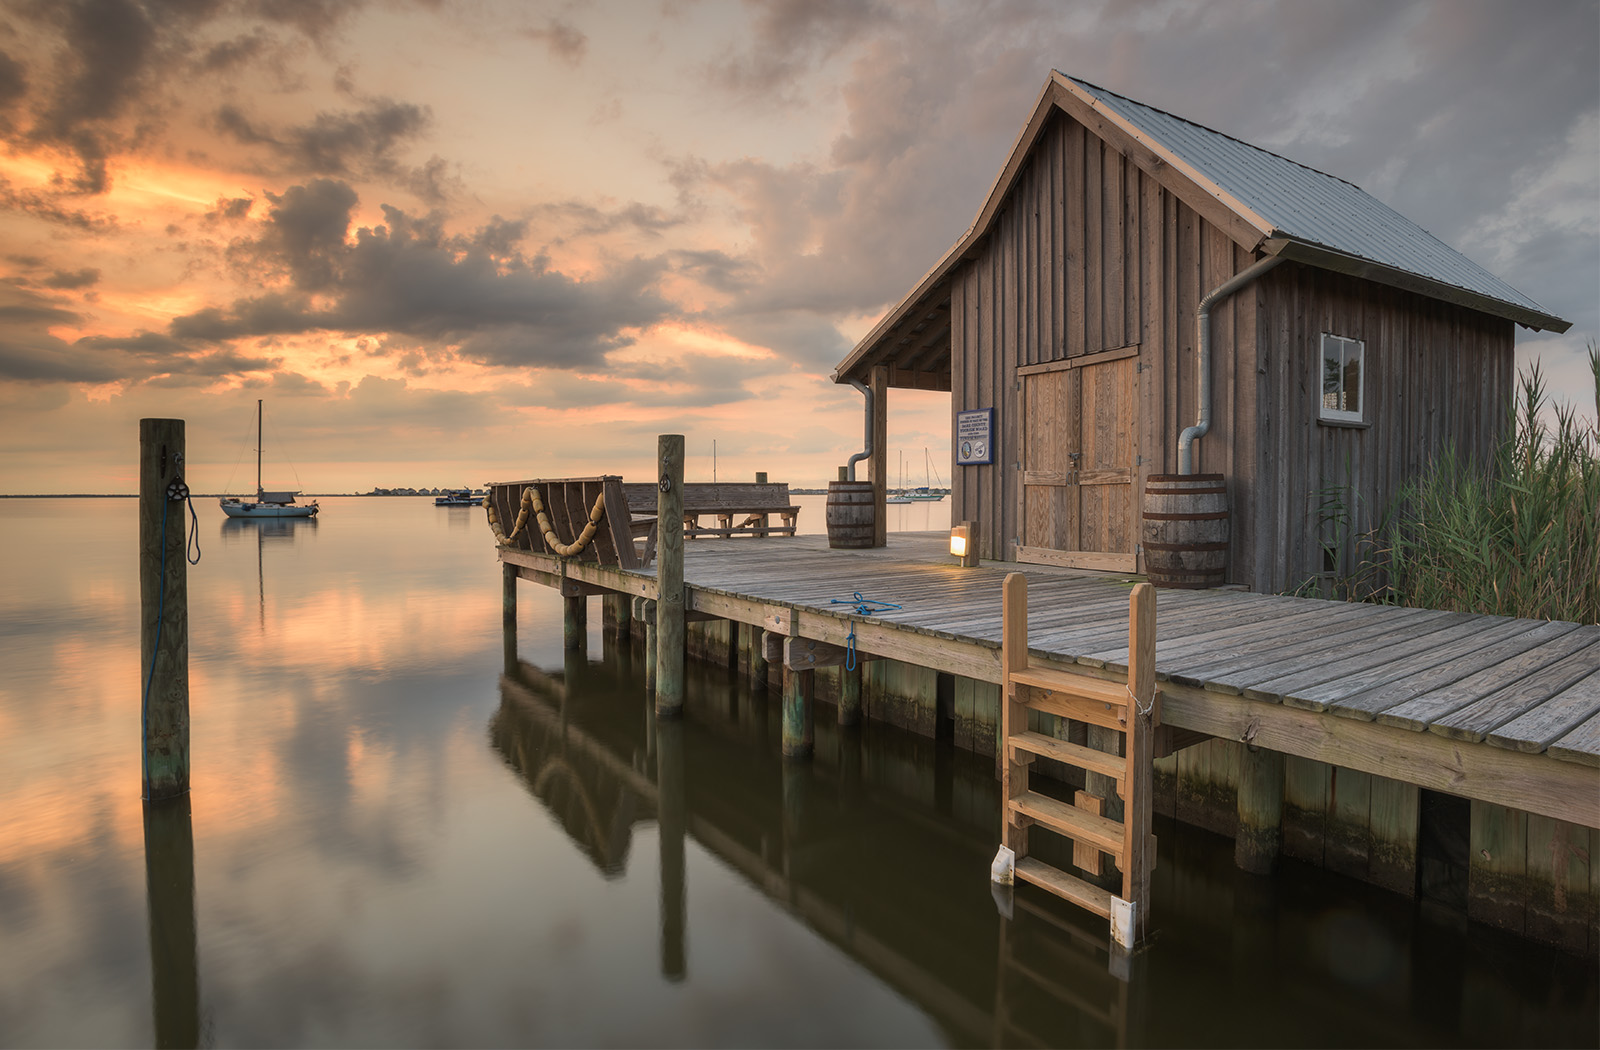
(1519, 536)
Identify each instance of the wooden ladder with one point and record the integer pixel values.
(1131, 708)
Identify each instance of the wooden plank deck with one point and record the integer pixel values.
(1506, 711)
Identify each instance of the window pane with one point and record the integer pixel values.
(1352, 376)
(1332, 372)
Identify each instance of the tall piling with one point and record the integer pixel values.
(164, 611)
(799, 727)
(669, 576)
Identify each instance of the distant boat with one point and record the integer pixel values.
(266, 504)
(922, 493)
(900, 496)
(458, 498)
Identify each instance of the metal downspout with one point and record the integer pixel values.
(850, 464)
(1202, 322)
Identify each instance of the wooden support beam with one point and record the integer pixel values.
(878, 384)
(1260, 799)
(670, 605)
(1013, 716)
(1138, 843)
(758, 658)
(804, 654)
(799, 736)
(163, 612)
(574, 623)
(508, 596)
(850, 696)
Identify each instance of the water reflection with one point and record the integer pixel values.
(169, 893)
(881, 846)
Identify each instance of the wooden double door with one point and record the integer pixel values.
(1079, 426)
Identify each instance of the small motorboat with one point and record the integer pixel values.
(458, 498)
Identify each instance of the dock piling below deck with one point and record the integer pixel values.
(1260, 801)
(799, 726)
(164, 611)
(669, 577)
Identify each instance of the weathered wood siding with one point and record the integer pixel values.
(1090, 253)
(1437, 375)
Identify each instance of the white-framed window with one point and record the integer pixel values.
(1343, 373)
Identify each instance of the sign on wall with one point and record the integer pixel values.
(975, 437)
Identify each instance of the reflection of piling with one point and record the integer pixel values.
(670, 810)
(164, 610)
(169, 893)
(669, 577)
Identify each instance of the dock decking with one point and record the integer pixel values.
(1490, 708)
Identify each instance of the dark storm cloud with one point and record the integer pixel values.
(230, 54)
(31, 353)
(345, 142)
(409, 277)
(64, 280)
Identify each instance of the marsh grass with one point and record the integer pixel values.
(1517, 537)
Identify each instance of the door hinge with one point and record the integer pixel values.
(1138, 461)
(1138, 366)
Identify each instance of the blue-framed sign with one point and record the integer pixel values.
(975, 437)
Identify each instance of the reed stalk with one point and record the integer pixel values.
(1519, 536)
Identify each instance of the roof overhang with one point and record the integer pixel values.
(905, 339)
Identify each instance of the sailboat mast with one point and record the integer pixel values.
(258, 448)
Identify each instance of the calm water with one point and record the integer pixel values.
(396, 836)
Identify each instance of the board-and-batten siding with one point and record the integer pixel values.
(1089, 253)
(1437, 375)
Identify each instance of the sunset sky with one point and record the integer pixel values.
(455, 242)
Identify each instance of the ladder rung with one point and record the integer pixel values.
(1075, 706)
(1072, 754)
(1072, 822)
(1070, 887)
(1073, 684)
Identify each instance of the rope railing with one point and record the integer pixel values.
(532, 503)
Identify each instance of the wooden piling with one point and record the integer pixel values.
(758, 659)
(1260, 800)
(575, 622)
(878, 384)
(669, 577)
(850, 695)
(617, 616)
(164, 612)
(646, 609)
(1139, 844)
(799, 735)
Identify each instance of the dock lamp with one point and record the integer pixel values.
(964, 543)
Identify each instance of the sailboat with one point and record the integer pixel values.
(923, 493)
(900, 495)
(266, 504)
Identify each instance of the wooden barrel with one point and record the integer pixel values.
(851, 514)
(1186, 530)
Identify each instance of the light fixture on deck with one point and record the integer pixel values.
(964, 543)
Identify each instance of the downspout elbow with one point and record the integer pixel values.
(1202, 324)
(850, 464)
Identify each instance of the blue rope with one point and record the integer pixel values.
(865, 606)
(850, 649)
(194, 534)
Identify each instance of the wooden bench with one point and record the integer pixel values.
(752, 502)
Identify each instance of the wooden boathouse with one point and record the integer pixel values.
(1140, 296)
(1414, 749)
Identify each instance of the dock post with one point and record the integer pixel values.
(616, 616)
(1260, 800)
(647, 616)
(1139, 843)
(758, 659)
(799, 730)
(164, 612)
(878, 383)
(850, 695)
(669, 577)
(574, 622)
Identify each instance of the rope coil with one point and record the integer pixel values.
(532, 503)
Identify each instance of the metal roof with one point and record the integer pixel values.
(1307, 205)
